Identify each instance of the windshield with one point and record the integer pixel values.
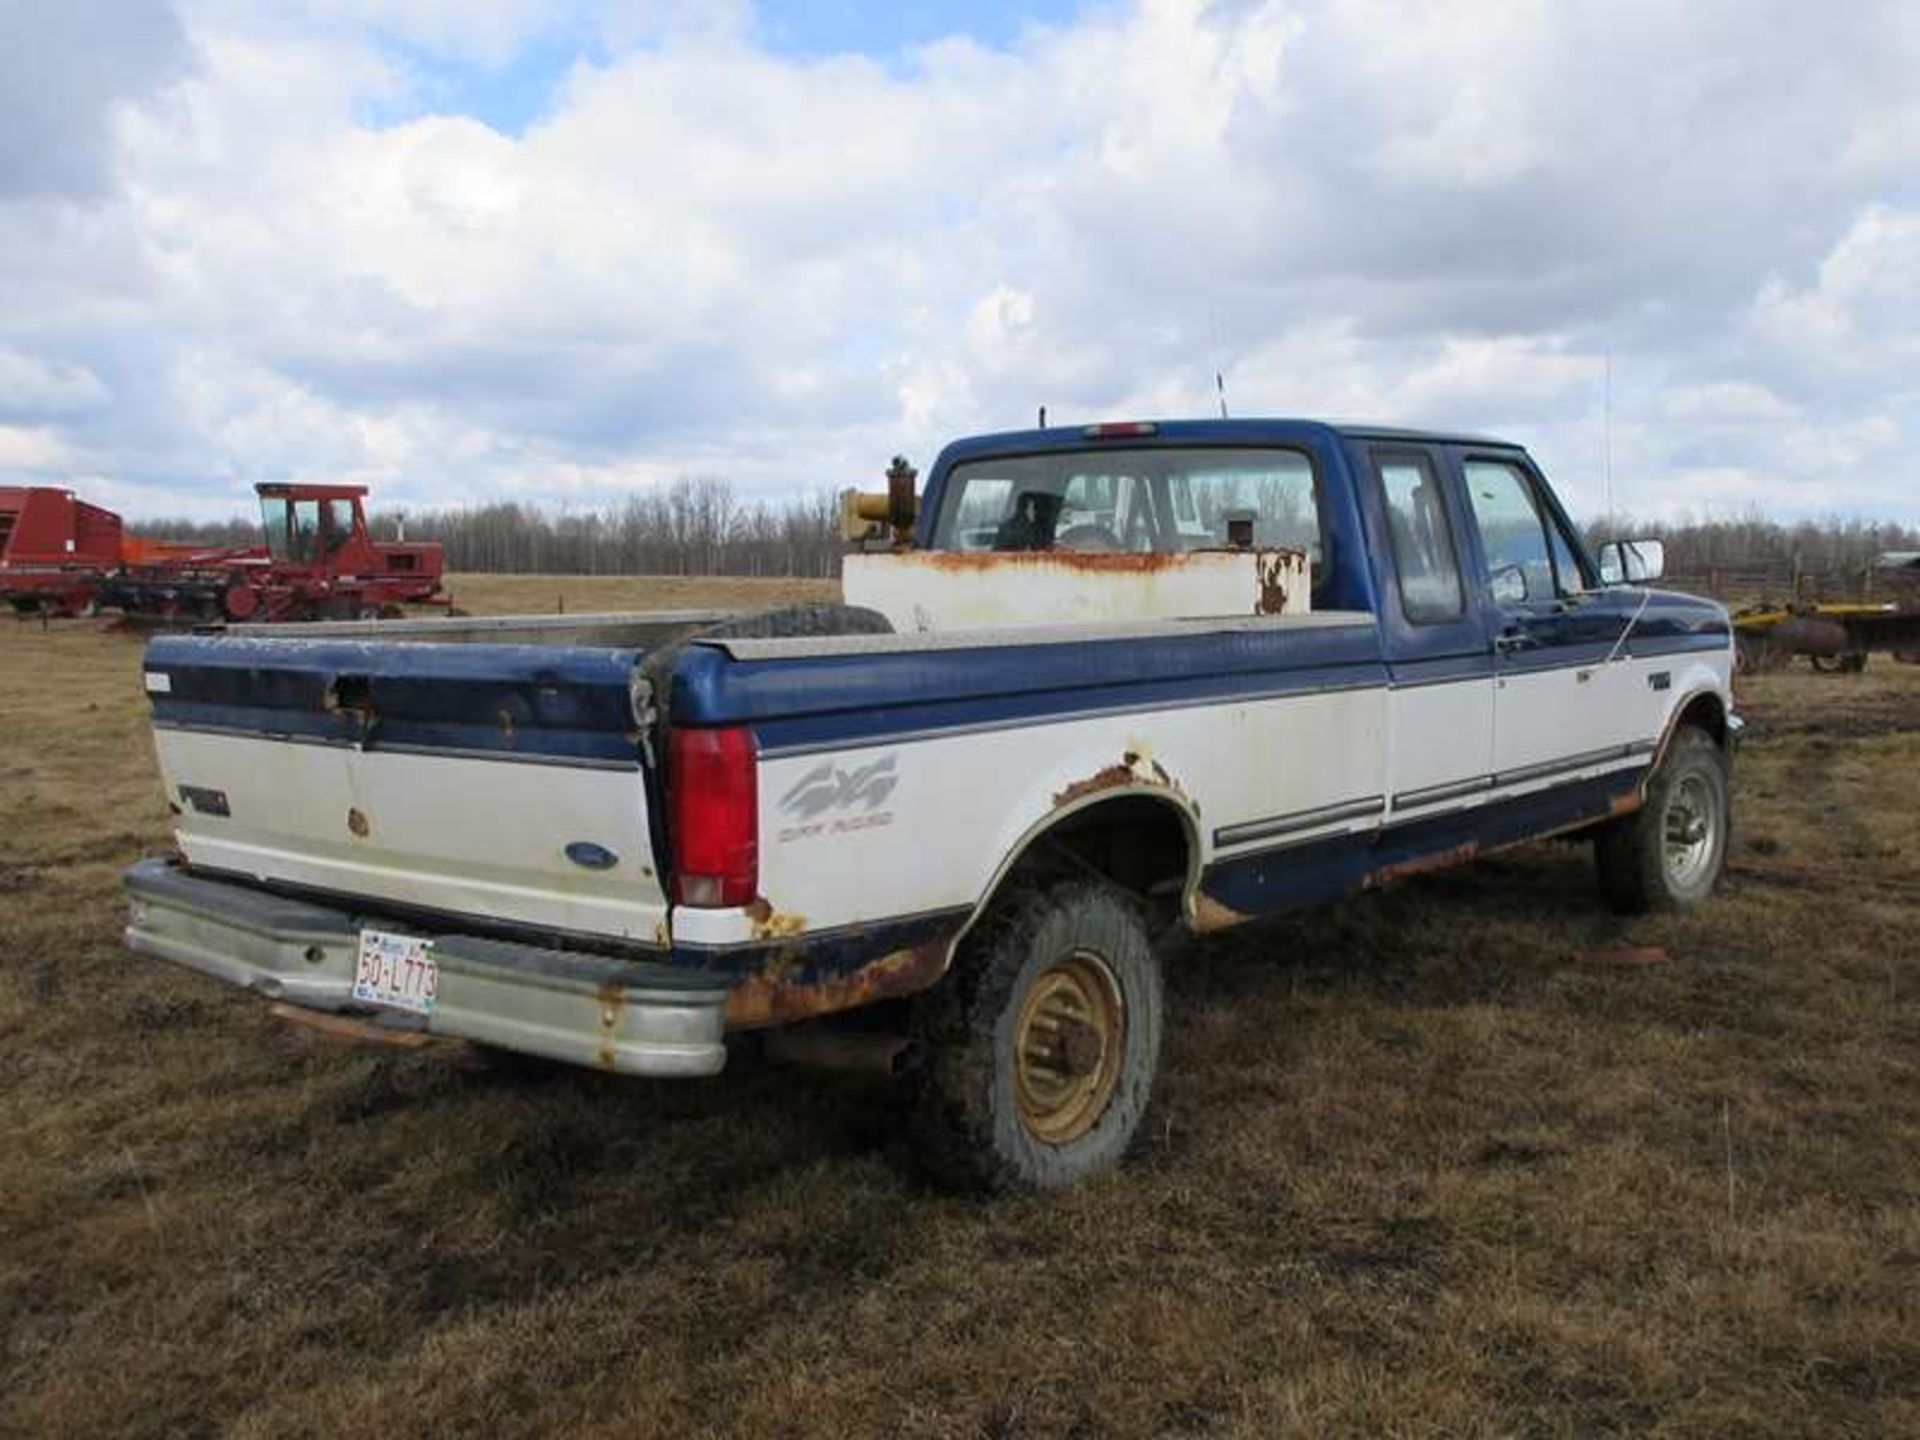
(293, 527)
(1157, 500)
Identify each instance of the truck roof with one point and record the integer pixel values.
(1252, 430)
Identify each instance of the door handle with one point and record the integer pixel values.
(1513, 638)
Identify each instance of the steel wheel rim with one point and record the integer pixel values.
(1069, 1043)
(1689, 830)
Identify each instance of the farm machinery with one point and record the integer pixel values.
(1836, 637)
(54, 549)
(318, 563)
(62, 556)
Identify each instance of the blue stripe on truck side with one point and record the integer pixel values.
(805, 703)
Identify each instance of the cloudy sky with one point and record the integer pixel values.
(466, 249)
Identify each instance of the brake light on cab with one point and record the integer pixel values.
(715, 812)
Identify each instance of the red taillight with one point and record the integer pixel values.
(716, 817)
(1120, 430)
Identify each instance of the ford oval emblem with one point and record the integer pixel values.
(594, 857)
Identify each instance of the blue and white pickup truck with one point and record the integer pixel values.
(1092, 684)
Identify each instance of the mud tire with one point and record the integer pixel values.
(964, 1120)
(1632, 856)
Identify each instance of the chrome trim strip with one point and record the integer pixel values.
(1299, 820)
(1450, 790)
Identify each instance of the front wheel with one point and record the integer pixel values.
(1042, 1045)
(1670, 853)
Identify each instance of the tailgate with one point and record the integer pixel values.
(502, 781)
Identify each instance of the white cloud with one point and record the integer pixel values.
(708, 256)
(27, 449)
(1724, 401)
(30, 385)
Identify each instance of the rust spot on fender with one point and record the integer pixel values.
(1136, 767)
(1210, 915)
(772, 998)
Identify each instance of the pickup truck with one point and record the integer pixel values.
(1090, 685)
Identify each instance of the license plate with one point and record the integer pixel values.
(396, 970)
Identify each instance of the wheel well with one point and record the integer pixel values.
(1705, 711)
(1139, 843)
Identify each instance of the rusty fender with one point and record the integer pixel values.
(1207, 915)
(775, 995)
(1136, 768)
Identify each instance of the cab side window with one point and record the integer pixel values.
(305, 542)
(1524, 565)
(1423, 554)
(339, 524)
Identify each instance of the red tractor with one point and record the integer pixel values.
(319, 563)
(54, 550)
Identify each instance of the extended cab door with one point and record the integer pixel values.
(1562, 685)
(1433, 632)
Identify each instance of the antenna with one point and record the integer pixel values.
(1219, 376)
(1606, 432)
(1043, 417)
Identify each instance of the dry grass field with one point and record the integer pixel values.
(1428, 1162)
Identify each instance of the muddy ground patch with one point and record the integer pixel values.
(1456, 1157)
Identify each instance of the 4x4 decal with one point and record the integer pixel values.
(851, 798)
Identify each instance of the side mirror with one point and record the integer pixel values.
(1509, 585)
(1628, 562)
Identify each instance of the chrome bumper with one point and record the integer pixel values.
(634, 1017)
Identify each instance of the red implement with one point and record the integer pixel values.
(54, 550)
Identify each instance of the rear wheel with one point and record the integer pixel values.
(1042, 1045)
(1670, 852)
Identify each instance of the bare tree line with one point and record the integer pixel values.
(698, 526)
(694, 526)
(1747, 557)
(1750, 540)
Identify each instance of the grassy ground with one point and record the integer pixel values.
(1423, 1163)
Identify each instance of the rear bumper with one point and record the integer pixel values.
(634, 1017)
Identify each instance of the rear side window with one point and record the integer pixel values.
(1160, 500)
(1422, 540)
